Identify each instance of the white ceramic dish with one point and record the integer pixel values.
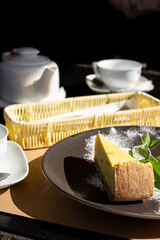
(142, 85)
(15, 164)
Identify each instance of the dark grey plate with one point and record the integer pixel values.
(65, 166)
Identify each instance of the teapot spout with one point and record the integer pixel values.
(49, 82)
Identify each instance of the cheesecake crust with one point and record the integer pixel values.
(134, 181)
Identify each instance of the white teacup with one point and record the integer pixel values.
(118, 73)
(3, 140)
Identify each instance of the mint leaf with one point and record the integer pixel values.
(143, 152)
(131, 152)
(145, 138)
(157, 183)
(154, 143)
(156, 169)
(156, 180)
(158, 159)
(144, 160)
(155, 164)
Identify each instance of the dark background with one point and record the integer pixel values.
(80, 31)
(70, 33)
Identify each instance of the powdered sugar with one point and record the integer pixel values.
(95, 181)
(89, 147)
(154, 202)
(122, 139)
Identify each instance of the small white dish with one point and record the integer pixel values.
(143, 84)
(15, 164)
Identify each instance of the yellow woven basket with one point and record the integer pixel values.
(21, 119)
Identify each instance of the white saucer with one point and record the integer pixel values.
(61, 95)
(15, 164)
(142, 85)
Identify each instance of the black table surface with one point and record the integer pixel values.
(72, 78)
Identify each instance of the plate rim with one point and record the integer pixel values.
(88, 202)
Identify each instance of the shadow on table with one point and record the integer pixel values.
(37, 198)
(3, 190)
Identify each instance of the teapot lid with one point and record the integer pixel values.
(26, 56)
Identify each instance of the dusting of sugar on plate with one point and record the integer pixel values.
(89, 147)
(154, 202)
(95, 181)
(114, 136)
(123, 140)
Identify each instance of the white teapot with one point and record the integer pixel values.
(26, 76)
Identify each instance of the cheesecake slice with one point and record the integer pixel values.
(124, 177)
